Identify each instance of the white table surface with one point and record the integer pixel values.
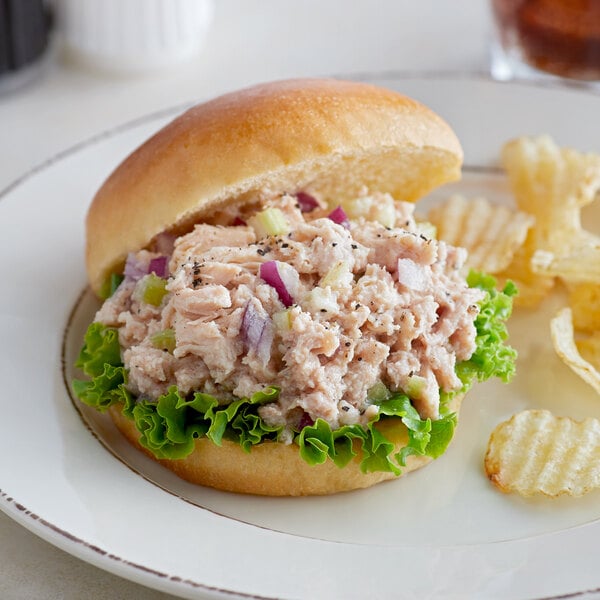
(249, 41)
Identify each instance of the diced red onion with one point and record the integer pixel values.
(305, 421)
(238, 222)
(411, 275)
(134, 269)
(164, 243)
(307, 202)
(337, 215)
(269, 271)
(257, 332)
(159, 266)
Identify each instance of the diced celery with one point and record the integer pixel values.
(358, 207)
(385, 213)
(337, 276)
(378, 393)
(152, 289)
(381, 210)
(270, 221)
(164, 340)
(429, 230)
(110, 285)
(415, 387)
(320, 300)
(283, 320)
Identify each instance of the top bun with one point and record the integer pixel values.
(323, 136)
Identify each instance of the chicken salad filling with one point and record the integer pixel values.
(339, 311)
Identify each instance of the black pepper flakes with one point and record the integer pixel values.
(354, 246)
(347, 344)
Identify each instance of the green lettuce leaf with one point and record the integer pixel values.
(425, 438)
(105, 389)
(492, 357)
(101, 347)
(170, 425)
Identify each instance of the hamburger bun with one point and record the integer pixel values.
(326, 137)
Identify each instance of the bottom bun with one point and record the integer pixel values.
(272, 468)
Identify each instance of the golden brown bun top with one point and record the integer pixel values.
(324, 136)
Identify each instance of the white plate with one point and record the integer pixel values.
(443, 531)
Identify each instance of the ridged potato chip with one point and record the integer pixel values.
(589, 348)
(536, 452)
(581, 266)
(491, 233)
(563, 340)
(552, 184)
(532, 288)
(584, 300)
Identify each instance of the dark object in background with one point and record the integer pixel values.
(24, 27)
(561, 37)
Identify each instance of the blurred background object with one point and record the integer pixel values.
(132, 36)
(558, 37)
(24, 29)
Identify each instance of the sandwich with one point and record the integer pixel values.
(275, 320)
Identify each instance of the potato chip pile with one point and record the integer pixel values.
(537, 245)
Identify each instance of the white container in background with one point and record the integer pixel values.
(132, 36)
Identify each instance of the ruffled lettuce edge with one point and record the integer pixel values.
(170, 425)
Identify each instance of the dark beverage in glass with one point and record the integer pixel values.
(561, 37)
